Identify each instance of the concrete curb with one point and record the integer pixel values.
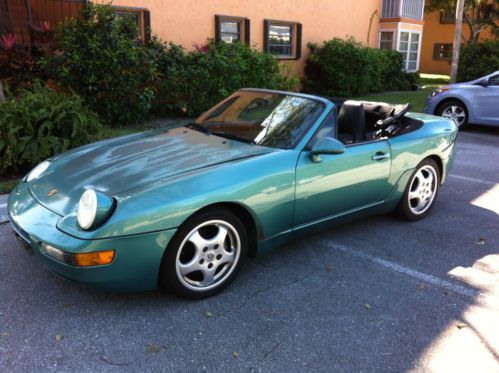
(3, 208)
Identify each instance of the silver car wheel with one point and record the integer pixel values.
(208, 255)
(456, 113)
(422, 190)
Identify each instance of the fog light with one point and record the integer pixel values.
(57, 254)
(94, 259)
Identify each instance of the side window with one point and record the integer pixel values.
(494, 80)
(282, 39)
(230, 29)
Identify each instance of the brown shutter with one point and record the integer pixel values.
(147, 25)
(266, 35)
(298, 41)
(247, 38)
(217, 28)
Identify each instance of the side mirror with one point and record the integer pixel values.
(326, 145)
(484, 82)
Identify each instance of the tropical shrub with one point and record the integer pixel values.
(347, 68)
(19, 65)
(193, 82)
(42, 123)
(104, 62)
(477, 60)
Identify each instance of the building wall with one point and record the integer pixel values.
(443, 33)
(193, 21)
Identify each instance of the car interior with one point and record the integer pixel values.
(361, 121)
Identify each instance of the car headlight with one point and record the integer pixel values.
(439, 90)
(36, 172)
(94, 209)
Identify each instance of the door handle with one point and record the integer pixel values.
(380, 155)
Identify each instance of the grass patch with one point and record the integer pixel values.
(434, 79)
(417, 99)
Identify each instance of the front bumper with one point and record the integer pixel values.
(431, 105)
(137, 258)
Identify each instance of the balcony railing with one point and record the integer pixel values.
(19, 17)
(411, 9)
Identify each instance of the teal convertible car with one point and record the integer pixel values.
(184, 207)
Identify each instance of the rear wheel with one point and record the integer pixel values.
(205, 254)
(421, 191)
(455, 110)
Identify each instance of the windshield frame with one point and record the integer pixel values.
(326, 107)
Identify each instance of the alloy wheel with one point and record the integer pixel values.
(456, 113)
(422, 190)
(208, 255)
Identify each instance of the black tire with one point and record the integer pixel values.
(206, 258)
(409, 208)
(459, 106)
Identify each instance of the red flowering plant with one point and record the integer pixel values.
(7, 41)
(19, 64)
(42, 39)
(16, 62)
(205, 48)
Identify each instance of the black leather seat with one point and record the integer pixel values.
(351, 122)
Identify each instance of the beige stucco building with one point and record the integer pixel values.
(280, 27)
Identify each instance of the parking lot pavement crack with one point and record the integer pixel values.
(421, 276)
(266, 354)
(286, 284)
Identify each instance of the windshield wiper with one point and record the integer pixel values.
(197, 126)
(231, 136)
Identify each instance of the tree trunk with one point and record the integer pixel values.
(457, 40)
(2, 94)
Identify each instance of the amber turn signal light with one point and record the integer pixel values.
(94, 259)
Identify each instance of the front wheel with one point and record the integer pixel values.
(205, 254)
(421, 191)
(454, 110)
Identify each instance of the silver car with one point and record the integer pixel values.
(474, 102)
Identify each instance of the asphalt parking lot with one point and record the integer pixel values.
(378, 294)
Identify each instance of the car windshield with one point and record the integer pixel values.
(263, 118)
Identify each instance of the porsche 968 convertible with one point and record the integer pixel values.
(183, 207)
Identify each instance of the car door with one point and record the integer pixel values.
(486, 102)
(341, 182)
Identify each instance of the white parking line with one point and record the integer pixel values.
(403, 269)
(472, 179)
(3, 205)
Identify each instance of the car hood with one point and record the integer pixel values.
(130, 162)
(470, 83)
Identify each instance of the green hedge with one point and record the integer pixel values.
(193, 82)
(477, 60)
(345, 68)
(40, 124)
(103, 61)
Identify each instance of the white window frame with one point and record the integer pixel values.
(394, 31)
(420, 32)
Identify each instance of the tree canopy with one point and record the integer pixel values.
(479, 15)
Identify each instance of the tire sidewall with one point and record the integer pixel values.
(404, 208)
(168, 276)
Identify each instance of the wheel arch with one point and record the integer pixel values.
(439, 163)
(452, 98)
(248, 218)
